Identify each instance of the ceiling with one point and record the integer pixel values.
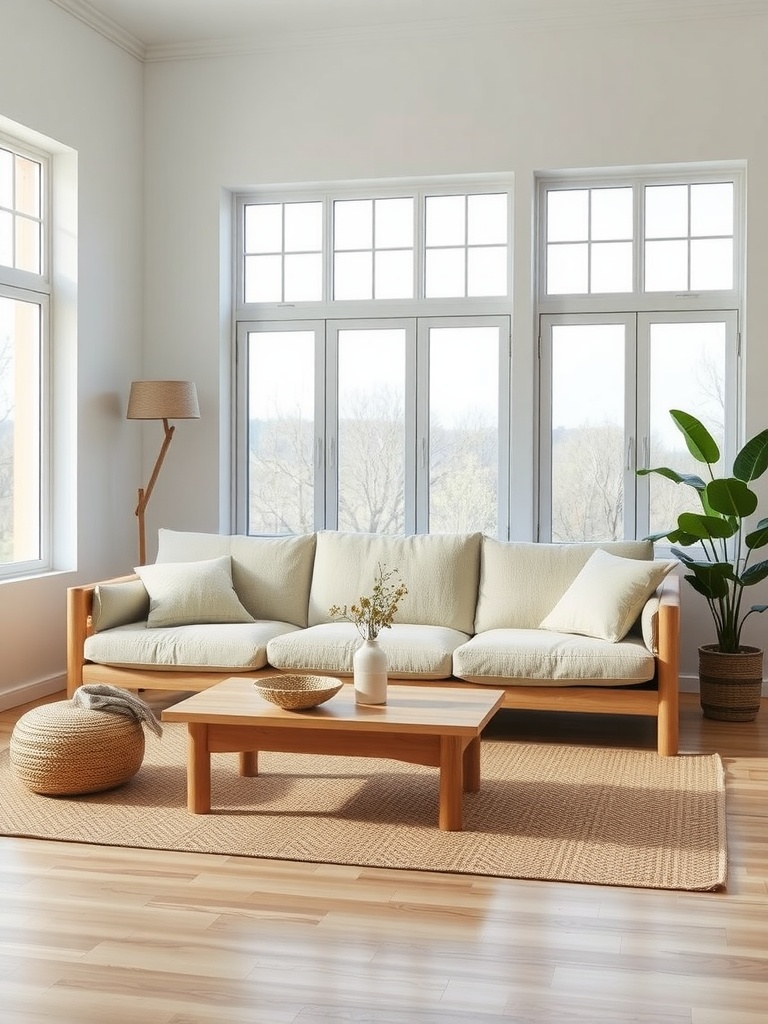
(163, 29)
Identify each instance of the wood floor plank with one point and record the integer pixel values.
(92, 935)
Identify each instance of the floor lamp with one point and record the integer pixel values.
(159, 400)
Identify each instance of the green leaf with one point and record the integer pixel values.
(711, 588)
(704, 527)
(679, 478)
(700, 442)
(759, 537)
(755, 574)
(752, 460)
(759, 608)
(731, 497)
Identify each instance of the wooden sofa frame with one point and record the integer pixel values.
(659, 699)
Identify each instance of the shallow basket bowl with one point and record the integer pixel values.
(295, 693)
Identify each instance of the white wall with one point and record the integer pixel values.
(514, 99)
(518, 99)
(62, 80)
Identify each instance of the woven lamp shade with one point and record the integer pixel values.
(163, 400)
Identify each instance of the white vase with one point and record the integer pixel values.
(369, 664)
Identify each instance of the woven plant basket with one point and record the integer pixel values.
(731, 685)
(61, 749)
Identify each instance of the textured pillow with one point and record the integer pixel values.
(115, 604)
(606, 597)
(185, 593)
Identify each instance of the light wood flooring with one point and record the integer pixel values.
(97, 935)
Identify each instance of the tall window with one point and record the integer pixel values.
(373, 360)
(639, 302)
(24, 290)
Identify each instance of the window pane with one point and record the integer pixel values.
(445, 273)
(20, 433)
(611, 267)
(303, 277)
(666, 211)
(487, 271)
(28, 245)
(264, 228)
(568, 215)
(394, 275)
(711, 263)
(353, 224)
(6, 178)
(281, 432)
(712, 209)
(666, 266)
(303, 227)
(6, 238)
(353, 275)
(611, 213)
(263, 279)
(371, 448)
(587, 432)
(463, 429)
(27, 198)
(567, 269)
(487, 220)
(446, 220)
(687, 372)
(394, 223)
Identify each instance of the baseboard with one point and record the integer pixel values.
(26, 692)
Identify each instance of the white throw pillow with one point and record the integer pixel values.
(186, 593)
(606, 597)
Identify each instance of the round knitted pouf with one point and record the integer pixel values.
(61, 749)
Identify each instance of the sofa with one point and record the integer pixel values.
(574, 627)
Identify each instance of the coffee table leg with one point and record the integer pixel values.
(472, 766)
(198, 769)
(249, 763)
(451, 783)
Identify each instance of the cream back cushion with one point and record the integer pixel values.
(440, 571)
(271, 575)
(520, 583)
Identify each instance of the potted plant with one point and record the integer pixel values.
(720, 569)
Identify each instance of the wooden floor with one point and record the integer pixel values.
(95, 935)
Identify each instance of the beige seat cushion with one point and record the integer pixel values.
(413, 652)
(221, 646)
(536, 656)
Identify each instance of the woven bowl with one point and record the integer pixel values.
(295, 693)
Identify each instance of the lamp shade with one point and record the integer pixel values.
(163, 400)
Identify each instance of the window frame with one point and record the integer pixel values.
(639, 300)
(639, 310)
(36, 289)
(329, 307)
(416, 410)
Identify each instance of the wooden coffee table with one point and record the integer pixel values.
(429, 725)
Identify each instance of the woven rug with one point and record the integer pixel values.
(574, 814)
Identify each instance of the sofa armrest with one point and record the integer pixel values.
(80, 626)
(667, 664)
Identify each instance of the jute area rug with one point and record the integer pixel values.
(574, 814)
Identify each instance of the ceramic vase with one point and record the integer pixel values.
(370, 673)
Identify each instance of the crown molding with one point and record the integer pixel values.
(105, 26)
(553, 14)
